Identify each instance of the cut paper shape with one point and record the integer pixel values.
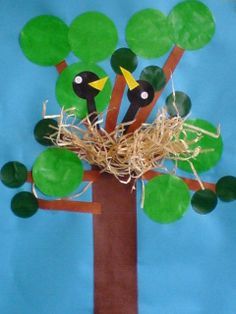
(44, 40)
(178, 103)
(148, 33)
(13, 174)
(209, 159)
(125, 58)
(57, 172)
(119, 216)
(43, 130)
(87, 85)
(81, 85)
(139, 97)
(192, 24)
(130, 80)
(155, 76)
(66, 96)
(99, 84)
(24, 204)
(193, 184)
(204, 201)
(168, 68)
(93, 36)
(115, 103)
(226, 189)
(167, 198)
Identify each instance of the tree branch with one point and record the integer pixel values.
(169, 67)
(61, 66)
(114, 106)
(89, 175)
(192, 184)
(71, 206)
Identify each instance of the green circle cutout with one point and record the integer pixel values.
(93, 36)
(44, 40)
(148, 33)
(226, 189)
(24, 204)
(66, 96)
(192, 24)
(182, 102)
(43, 129)
(155, 76)
(124, 57)
(57, 172)
(204, 201)
(167, 198)
(13, 174)
(204, 161)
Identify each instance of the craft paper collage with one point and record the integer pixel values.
(117, 163)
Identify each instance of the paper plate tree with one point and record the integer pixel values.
(120, 154)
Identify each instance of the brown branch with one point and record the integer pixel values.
(89, 175)
(192, 184)
(68, 205)
(61, 66)
(169, 67)
(72, 206)
(114, 106)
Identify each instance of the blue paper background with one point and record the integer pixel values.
(46, 262)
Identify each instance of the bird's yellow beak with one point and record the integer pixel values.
(130, 80)
(99, 84)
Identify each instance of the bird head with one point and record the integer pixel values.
(88, 84)
(140, 92)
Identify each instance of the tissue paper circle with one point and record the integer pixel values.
(43, 130)
(192, 24)
(125, 58)
(226, 188)
(148, 33)
(181, 101)
(24, 204)
(44, 40)
(13, 174)
(166, 198)
(207, 159)
(66, 96)
(204, 201)
(57, 172)
(155, 76)
(93, 36)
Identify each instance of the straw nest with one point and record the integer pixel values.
(129, 156)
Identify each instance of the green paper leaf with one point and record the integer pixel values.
(155, 76)
(66, 96)
(192, 24)
(13, 174)
(207, 160)
(166, 198)
(57, 172)
(43, 129)
(226, 189)
(182, 103)
(148, 33)
(24, 204)
(204, 201)
(44, 40)
(125, 58)
(93, 36)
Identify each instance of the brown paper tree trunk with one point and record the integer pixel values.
(115, 248)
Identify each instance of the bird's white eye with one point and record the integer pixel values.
(144, 95)
(78, 80)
